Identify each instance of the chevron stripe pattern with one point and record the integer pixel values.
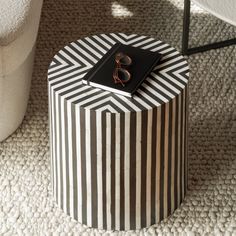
(117, 162)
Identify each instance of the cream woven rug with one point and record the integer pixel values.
(26, 205)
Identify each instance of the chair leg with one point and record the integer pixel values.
(185, 38)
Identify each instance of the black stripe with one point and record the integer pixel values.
(153, 166)
(113, 170)
(122, 185)
(56, 63)
(83, 165)
(92, 101)
(67, 190)
(169, 158)
(132, 170)
(93, 142)
(176, 152)
(104, 170)
(74, 158)
(64, 58)
(170, 81)
(103, 38)
(170, 57)
(144, 167)
(162, 161)
(99, 43)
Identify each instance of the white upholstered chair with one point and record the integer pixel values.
(19, 21)
(223, 9)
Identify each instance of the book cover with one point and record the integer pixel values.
(102, 74)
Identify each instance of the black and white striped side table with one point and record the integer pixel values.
(117, 162)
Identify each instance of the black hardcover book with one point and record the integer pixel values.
(101, 75)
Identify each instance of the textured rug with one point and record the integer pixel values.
(26, 204)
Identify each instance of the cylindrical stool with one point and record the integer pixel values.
(117, 162)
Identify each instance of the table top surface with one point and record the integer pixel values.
(71, 63)
(223, 9)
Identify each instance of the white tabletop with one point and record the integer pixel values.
(223, 9)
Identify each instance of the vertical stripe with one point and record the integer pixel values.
(74, 162)
(67, 170)
(58, 154)
(57, 167)
(166, 156)
(179, 146)
(132, 170)
(113, 169)
(153, 165)
(138, 169)
(148, 173)
(99, 169)
(173, 157)
(104, 167)
(79, 165)
(108, 169)
(162, 158)
(186, 137)
(183, 148)
(51, 138)
(169, 157)
(127, 170)
(117, 172)
(158, 164)
(70, 161)
(122, 166)
(143, 167)
(93, 141)
(176, 151)
(83, 165)
(88, 166)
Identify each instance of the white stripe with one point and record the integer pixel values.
(138, 169)
(129, 103)
(175, 66)
(99, 39)
(158, 86)
(149, 174)
(78, 152)
(99, 169)
(117, 172)
(108, 169)
(143, 42)
(70, 159)
(94, 98)
(140, 101)
(58, 149)
(163, 51)
(132, 41)
(118, 38)
(177, 73)
(108, 38)
(118, 104)
(159, 48)
(68, 69)
(127, 170)
(82, 95)
(60, 78)
(145, 95)
(169, 62)
(88, 167)
(53, 142)
(155, 93)
(78, 56)
(50, 70)
(128, 36)
(165, 83)
(68, 57)
(76, 46)
(170, 55)
(96, 45)
(107, 107)
(64, 154)
(171, 78)
(151, 44)
(91, 50)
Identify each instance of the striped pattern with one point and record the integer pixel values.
(117, 162)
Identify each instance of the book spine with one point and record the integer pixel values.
(100, 63)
